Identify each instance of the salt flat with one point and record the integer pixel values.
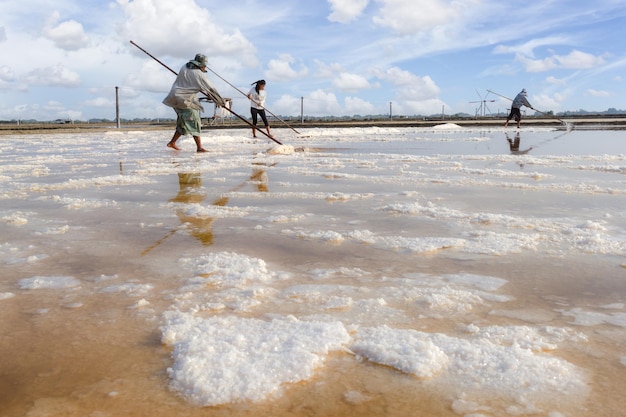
(375, 271)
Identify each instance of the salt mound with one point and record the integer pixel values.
(221, 360)
(282, 150)
(447, 126)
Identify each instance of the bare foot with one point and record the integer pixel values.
(173, 146)
(201, 150)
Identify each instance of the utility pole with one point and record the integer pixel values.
(302, 110)
(117, 106)
(390, 111)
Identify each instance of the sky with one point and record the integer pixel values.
(64, 59)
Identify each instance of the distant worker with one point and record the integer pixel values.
(257, 96)
(183, 98)
(519, 101)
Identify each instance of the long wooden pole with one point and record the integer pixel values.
(538, 111)
(223, 79)
(206, 94)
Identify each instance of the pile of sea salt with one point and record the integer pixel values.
(222, 357)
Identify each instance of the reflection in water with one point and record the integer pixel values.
(190, 191)
(515, 143)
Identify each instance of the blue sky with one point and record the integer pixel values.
(63, 59)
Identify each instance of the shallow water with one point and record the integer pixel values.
(448, 271)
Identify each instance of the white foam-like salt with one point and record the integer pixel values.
(61, 230)
(281, 150)
(6, 295)
(475, 366)
(130, 289)
(230, 269)
(84, 203)
(328, 273)
(411, 352)
(140, 304)
(594, 318)
(229, 359)
(28, 259)
(423, 245)
(327, 236)
(105, 181)
(207, 211)
(533, 338)
(15, 219)
(48, 282)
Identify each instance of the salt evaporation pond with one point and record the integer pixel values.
(358, 271)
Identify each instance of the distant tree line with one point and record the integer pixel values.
(374, 117)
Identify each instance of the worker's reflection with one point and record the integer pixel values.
(515, 143)
(191, 192)
(260, 180)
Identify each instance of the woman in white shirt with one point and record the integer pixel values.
(257, 102)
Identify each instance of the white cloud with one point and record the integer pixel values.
(3, 34)
(281, 69)
(546, 103)
(321, 103)
(100, 102)
(327, 70)
(413, 94)
(6, 73)
(287, 105)
(574, 60)
(68, 35)
(357, 106)
(58, 75)
(151, 76)
(411, 86)
(182, 29)
(556, 81)
(351, 82)
(54, 106)
(598, 93)
(345, 11)
(528, 48)
(422, 107)
(414, 16)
